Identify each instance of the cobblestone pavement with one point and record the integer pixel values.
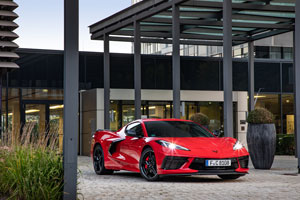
(281, 182)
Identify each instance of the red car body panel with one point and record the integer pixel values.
(128, 150)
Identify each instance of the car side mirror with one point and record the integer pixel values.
(139, 134)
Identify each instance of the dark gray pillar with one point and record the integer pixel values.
(176, 61)
(251, 76)
(297, 80)
(71, 79)
(227, 68)
(106, 59)
(137, 70)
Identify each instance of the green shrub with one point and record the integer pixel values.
(285, 144)
(260, 116)
(200, 118)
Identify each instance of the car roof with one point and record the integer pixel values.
(155, 119)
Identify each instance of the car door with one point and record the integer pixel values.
(132, 145)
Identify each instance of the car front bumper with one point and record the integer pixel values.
(176, 164)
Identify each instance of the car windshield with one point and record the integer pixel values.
(175, 129)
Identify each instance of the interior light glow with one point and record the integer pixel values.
(56, 107)
(258, 96)
(32, 111)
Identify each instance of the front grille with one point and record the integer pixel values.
(171, 162)
(244, 161)
(199, 164)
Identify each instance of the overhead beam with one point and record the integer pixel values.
(182, 36)
(267, 34)
(97, 33)
(241, 6)
(237, 16)
(237, 24)
(166, 41)
(119, 16)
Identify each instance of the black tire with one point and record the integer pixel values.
(98, 162)
(230, 176)
(148, 167)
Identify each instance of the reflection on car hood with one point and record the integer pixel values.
(202, 143)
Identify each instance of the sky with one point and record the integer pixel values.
(41, 23)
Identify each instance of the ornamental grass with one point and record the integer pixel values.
(31, 166)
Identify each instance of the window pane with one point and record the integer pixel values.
(287, 77)
(240, 76)
(121, 71)
(156, 72)
(199, 74)
(267, 77)
(288, 114)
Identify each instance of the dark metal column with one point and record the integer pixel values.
(176, 61)
(137, 70)
(106, 59)
(251, 76)
(71, 79)
(227, 68)
(1, 125)
(297, 80)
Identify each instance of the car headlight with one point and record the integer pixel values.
(171, 146)
(238, 145)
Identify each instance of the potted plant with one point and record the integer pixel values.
(261, 138)
(200, 118)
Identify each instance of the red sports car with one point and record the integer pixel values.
(160, 147)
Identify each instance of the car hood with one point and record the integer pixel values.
(202, 143)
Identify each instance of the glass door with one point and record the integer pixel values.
(35, 115)
(41, 118)
(56, 121)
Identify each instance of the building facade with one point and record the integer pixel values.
(34, 93)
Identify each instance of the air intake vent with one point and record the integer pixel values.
(7, 36)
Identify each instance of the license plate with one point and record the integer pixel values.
(213, 163)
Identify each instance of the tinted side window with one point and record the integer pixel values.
(136, 127)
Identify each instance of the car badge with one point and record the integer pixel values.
(216, 151)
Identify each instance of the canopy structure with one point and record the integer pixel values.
(201, 22)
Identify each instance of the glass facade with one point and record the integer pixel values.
(42, 109)
(35, 91)
(122, 112)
